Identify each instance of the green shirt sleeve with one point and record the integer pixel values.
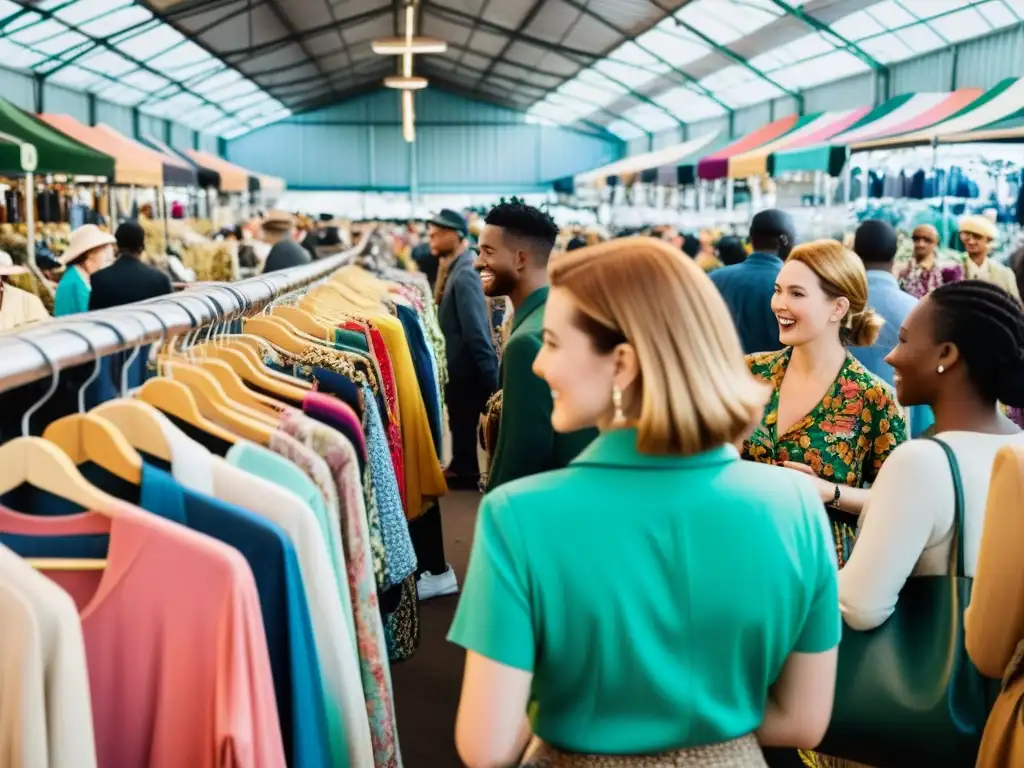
(494, 617)
(525, 437)
(823, 623)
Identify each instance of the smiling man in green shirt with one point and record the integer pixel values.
(514, 248)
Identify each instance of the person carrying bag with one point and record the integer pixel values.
(907, 693)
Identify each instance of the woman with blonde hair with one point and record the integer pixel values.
(598, 596)
(827, 416)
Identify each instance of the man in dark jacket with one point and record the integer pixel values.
(128, 280)
(748, 287)
(464, 321)
(278, 227)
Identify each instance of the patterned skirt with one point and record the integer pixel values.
(739, 753)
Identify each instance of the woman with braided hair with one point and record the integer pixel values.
(961, 351)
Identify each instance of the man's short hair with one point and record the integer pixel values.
(131, 237)
(772, 230)
(875, 242)
(530, 225)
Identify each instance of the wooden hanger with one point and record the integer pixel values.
(279, 385)
(278, 333)
(304, 321)
(251, 347)
(175, 399)
(43, 465)
(214, 403)
(88, 437)
(236, 391)
(139, 422)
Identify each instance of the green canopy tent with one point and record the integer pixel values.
(56, 153)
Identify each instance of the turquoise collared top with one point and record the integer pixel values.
(654, 598)
(72, 296)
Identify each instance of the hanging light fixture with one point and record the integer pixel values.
(407, 47)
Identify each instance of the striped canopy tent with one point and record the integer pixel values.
(133, 165)
(661, 163)
(813, 129)
(911, 111)
(716, 166)
(1004, 101)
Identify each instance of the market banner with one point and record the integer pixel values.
(628, 168)
(716, 166)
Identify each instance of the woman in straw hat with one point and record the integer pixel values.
(89, 250)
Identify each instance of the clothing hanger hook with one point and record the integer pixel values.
(95, 368)
(54, 381)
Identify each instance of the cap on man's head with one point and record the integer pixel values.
(278, 221)
(981, 226)
(875, 242)
(130, 237)
(446, 218)
(774, 224)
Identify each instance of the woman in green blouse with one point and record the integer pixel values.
(658, 598)
(827, 415)
(89, 250)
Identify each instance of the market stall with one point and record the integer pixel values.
(716, 166)
(895, 116)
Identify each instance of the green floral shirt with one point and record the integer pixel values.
(845, 439)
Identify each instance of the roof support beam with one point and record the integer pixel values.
(821, 26)
(660, 59)
(729, 53)
(527, 20)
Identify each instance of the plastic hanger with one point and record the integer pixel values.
(43, 465)
(88, 437)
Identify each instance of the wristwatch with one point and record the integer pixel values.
(836, 496)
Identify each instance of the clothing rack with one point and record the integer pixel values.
(80, 339)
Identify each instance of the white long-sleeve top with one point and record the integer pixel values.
(906, 527)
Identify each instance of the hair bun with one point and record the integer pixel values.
(864, 328)
(1010, 385)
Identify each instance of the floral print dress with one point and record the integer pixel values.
(845, 439)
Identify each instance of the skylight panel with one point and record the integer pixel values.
(201, 117)
(651, 118)
(857, 26)
(122, 94)
(107, 63)
(629, 76)
(221, 79)
(75, 77)
(921, 38)
(960, 25)
(84, 10)
(145, 81)
(891, 15)
(60, 43)
(726, 21)
(23, 22)
(886, 48)
(823, 69)
(998, 14)
(109, 24)
(624, 130)
(14, 55)
(32, 34)
(590, 94)
(148, 44)
(674, 44)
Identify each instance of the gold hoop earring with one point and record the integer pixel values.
(619, 417)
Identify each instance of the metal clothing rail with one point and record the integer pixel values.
(79, 339)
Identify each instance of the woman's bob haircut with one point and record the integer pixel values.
(694, 391)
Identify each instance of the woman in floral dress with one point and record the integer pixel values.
(827, 415)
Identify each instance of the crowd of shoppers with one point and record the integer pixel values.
(611, 619)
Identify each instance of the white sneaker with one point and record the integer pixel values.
(428, 585)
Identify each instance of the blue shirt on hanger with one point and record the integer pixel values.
(275, 567)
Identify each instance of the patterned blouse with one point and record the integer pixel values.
(844, 439)
(355, 534)
(919, 281)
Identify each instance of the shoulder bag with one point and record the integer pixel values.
(906, 692)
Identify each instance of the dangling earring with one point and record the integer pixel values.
(619, 417)
(941, 369)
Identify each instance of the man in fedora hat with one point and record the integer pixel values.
(464, 321)
(89, 250)
(284, 251)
